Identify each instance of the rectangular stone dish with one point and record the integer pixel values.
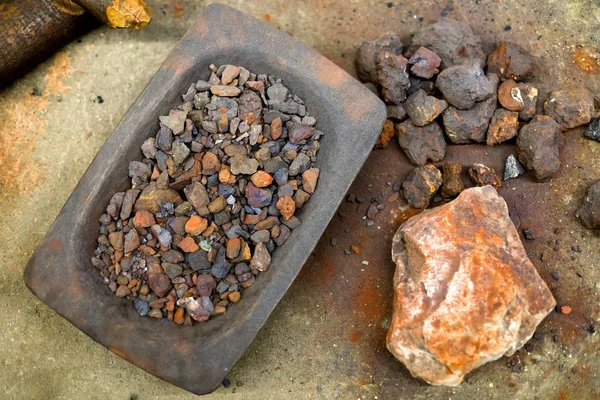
(198, 357)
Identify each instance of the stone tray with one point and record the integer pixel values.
(198, 357)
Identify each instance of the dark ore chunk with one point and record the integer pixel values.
(538, 146)
(589, 213)
(421, 143)
(453, 41)
(366, 57)
(392, 76)
(421, 185)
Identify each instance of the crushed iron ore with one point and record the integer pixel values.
(452, 181)
(483, 175)
(442, 88)
(421, 185)
(215, 194)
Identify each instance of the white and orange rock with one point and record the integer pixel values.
(465, 291)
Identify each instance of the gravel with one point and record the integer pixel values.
(214, 196)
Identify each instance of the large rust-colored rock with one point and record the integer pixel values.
(465, 291)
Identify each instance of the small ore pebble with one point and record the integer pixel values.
(333, 241)
(355, 249)
(565, 310)
(555, 275)
(226, 383)
(576, 249)
(347, 252)
(529, 233)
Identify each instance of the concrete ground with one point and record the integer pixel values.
(314, 345)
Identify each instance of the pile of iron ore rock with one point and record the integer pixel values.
(444, 89)
(213, 196)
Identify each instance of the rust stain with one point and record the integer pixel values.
(406, 215)
(53, 244)
(570, 326)
(368, 300)
(337, 79)
(328, 74)
(322, 272)
(180, 64)
(563, 395)
(57, 74)
(118, 352)
(327, 272)
(21, 123)
(267, 17)
(586, 61)
(201, 28)
(363, 380)
(355, 335)
(282, 62)
(85, 198)
(177, 10)
(20, 171)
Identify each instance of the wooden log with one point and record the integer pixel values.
(31, 31)
(34, 29)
